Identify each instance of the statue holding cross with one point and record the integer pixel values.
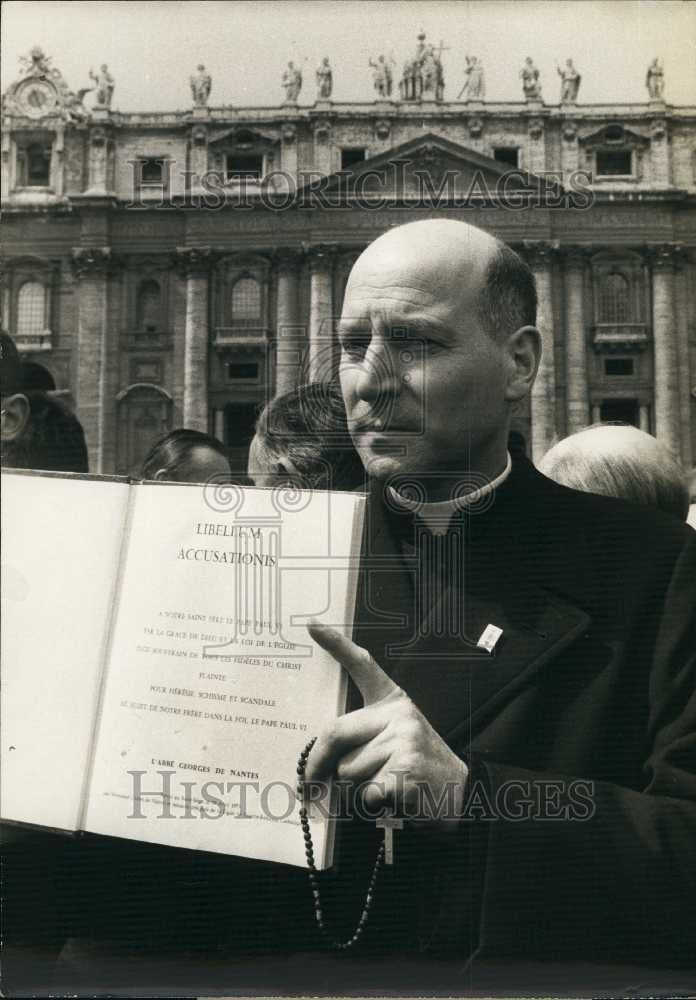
(423, 78)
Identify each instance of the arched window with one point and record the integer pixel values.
(31, 309)
(246, 302)
(148, 307)
(615, 303)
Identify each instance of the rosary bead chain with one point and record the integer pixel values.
(313, 873)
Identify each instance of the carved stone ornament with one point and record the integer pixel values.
(382, 128)
(658, 128)
(199, 135)
(570, 131)
(194, 260)
(536, 128)
(42, 92)
(98, 136)
(288, 132)
(322, 130)
(475, 126)
(87, 261)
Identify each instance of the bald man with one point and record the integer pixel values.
(522, 713)
(524, 654)
(618, 460)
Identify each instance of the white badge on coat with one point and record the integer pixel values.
(489, 637)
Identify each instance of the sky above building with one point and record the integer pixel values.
(152, 48)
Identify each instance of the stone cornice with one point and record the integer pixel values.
(378, 109)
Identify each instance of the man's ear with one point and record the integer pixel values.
(524, 353)
(15, 416)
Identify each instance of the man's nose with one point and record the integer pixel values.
(379, 377)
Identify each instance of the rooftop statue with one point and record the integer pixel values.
(530, 81)
(382, 77)
(475, 83)
(292, 82)
(324, 80)
(422, 77)
(570, 82)
(201, 84)
(655, 80)
(105, 86)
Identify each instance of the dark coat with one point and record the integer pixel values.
(593, 679)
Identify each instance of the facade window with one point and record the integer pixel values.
(615, 302)
(152, 171)
(31, 309)
(246, 302)
(153, 175)
(351, 157)
(243, 166)
(34, 165)
(507, 155)
(626, 411)
(248, 370)
(149, 307)
(618, 366)
(614, 163)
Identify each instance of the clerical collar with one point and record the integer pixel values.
(437, 516)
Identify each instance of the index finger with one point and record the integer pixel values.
(370, 679)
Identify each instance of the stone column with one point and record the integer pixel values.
(195, 263)
(577, 403)
(291, 337)
(544, 391)
(667, 415)
(684, 310)
(644, 417)
(535, 160)
(660, 165)
(321, 326)
(91, 266)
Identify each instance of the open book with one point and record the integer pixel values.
(158, 678)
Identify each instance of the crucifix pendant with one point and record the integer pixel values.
(389, 824)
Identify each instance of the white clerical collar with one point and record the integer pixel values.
(438, 515)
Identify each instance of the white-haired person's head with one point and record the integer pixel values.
(618, 460)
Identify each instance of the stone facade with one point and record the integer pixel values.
(177, 268)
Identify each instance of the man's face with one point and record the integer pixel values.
(423, 383)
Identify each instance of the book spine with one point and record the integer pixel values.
(105, 656)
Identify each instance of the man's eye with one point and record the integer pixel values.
(355, 344)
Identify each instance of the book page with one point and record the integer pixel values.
(213, 685)
(61, 540)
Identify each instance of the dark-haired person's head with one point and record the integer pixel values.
(38, 431)
(52, 439)
(438, 344)
(302, 438)
(186, 456)
(618, 460)
(15, 405)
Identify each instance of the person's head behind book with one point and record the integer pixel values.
(302, 439)
(186, 456)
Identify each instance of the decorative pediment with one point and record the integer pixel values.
(614, 135)
(430, 168)
(42, 93)
(242, 138)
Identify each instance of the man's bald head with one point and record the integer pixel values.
(618, 460)
(457, 259)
